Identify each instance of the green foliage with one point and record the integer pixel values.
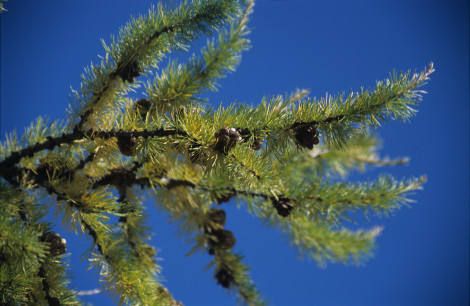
(31, 269)
(284, 160)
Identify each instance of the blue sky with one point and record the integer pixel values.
(422, 256)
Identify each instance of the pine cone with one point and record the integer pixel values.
(306, 135)
(234, 138)
(257, 144)
(226, 139)
(130, 71)
(222, 140)
(282, 206)
(245, 134)
(224, 277)
(142, 107)
(56, 243)
(216, 216)
(126, 145)
(222, 238)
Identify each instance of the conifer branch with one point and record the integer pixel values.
(142, 42)
(392, 98)
(230, 272)
(335, 117)
(358, 153)
(382, 197)
(324, 203)
(29, 254)
(114, 270)
(134, 232)
(52, 142)
(207, 226)
(233, 274)
(200, 73)
(323, 244)
(123, 267)
(16, 175)
(191, 156)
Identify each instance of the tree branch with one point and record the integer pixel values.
(52, 142)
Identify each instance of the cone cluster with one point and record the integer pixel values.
(57, 244)
(282, 206)
(219, 238)
(306, 135)
(217, 216)
(126, 145)
(226, 139)
(130, 71)
(142, 107)
(224, 277)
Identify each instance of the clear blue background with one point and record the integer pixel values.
(327, 46)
